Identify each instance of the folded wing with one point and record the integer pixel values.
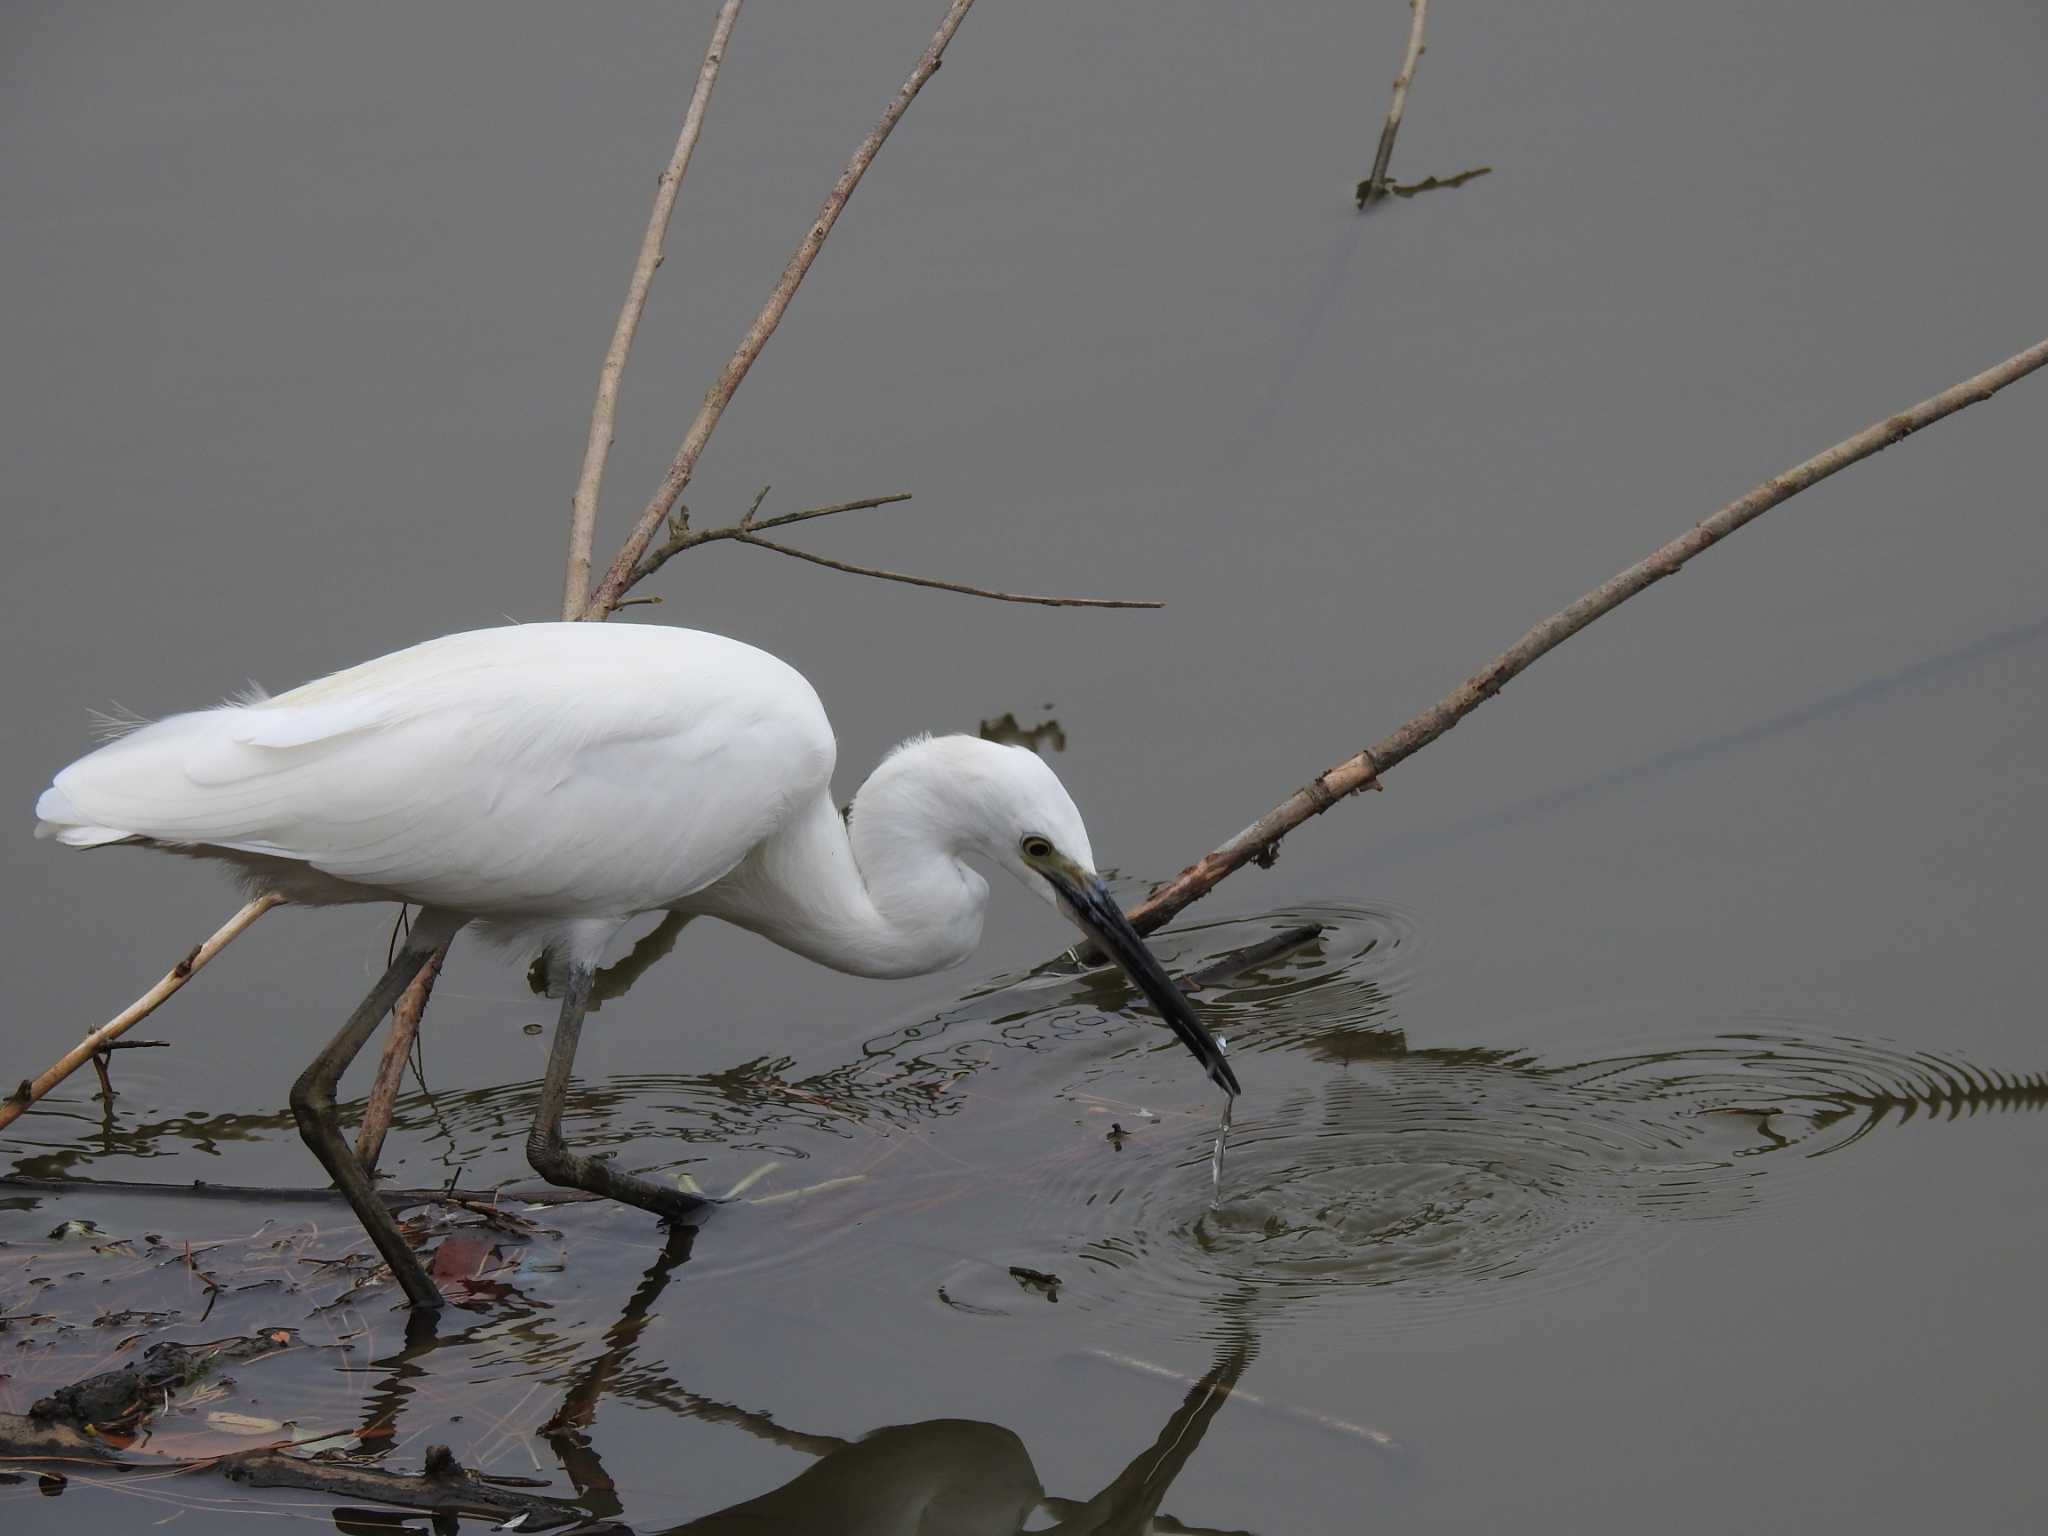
(550, 768)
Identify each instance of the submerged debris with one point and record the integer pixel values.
(1037, 1280)
(119, 1399)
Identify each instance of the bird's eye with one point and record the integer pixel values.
(1036, 847)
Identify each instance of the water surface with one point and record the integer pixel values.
(1651, 1140)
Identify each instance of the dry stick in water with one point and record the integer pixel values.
(1377, 1437)
(621, 574)
(11, 1108)
(1376, 184)
(1259, 840)
(405, 1028)
(583, 507)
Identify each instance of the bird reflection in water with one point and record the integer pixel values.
(941, 1477)
(962, 1477)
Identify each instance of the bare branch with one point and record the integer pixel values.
(943, 586)
(682, 536)
(748, 531)
(1374, 187)
(808, 513)
(621, 574)
(405, 1028)
(583, 506)
(1258, 842)
(13, 1105)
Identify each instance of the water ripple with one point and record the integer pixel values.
(1041, 1125)
(1044, 1125)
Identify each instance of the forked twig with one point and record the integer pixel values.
(749, 528)
(1259, 841)
(626, 563)
(603, 416)
(682, 536)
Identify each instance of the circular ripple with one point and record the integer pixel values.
(1431, 1176)
(1440, 1173)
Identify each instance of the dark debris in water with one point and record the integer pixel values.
(116, 1400)
(1038, 1280)
(267, 1354)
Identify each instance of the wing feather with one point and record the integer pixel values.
(552, 768)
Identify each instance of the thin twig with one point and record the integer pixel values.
(1375, 186)
(405, 1028)
(747, 519)
(682, 536)
(29, 1092)
(786, 518)
(942, 586)
(748, 531)
(1259, 841)
(1366, 1432)
(626, 564)
(604, 415)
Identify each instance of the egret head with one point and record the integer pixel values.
(1005, 804)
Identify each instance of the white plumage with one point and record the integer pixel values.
(553, 781)
(559, 770)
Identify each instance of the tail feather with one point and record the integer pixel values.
(57, 817)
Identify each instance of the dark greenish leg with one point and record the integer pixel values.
(555, 1162)
(314, 1108)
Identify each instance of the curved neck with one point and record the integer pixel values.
(886, 896)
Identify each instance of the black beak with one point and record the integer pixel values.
(1095, 912)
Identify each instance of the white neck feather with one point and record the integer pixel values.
(882, 893)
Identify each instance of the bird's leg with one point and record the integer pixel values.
(314, 1108)
(544, 1148)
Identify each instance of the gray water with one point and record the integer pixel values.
(1652, 1139)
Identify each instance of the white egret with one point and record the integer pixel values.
(553, 781)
